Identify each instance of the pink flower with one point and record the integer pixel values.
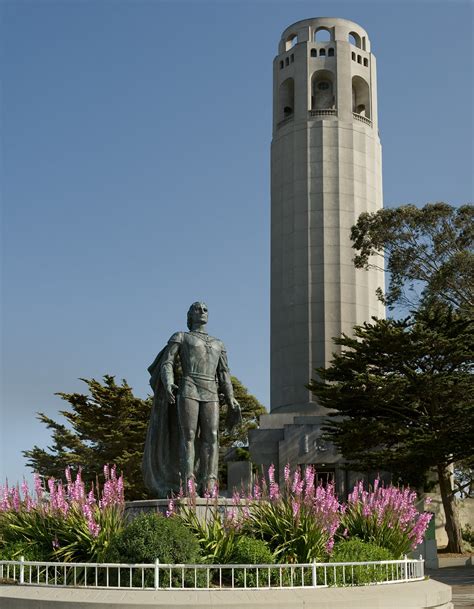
(274, 491)
(171, 508)
(257, 490)
(191, 487)
(296, 480)
(38, 486)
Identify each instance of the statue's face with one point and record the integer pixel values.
(199, 313)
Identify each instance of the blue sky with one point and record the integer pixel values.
(135, 176)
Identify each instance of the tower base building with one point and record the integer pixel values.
(325, 171)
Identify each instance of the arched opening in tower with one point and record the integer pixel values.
(286, 99)
(360, 96)
(322, 34)
(322, 90)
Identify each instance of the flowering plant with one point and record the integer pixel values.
(64, 523)
(385, 516)
(299, 520)
(215, 532)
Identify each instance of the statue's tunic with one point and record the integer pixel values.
(204, 364)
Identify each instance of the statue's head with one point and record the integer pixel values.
(197, 314)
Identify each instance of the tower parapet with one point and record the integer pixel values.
(324, 68)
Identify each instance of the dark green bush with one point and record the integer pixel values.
(249, 550)
(468, 534)
(30, 552)
(356, 550)
(149, 537)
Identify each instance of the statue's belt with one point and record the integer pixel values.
(199, 376)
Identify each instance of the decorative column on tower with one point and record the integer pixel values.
(325, 171)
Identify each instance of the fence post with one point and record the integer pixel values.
(315, 581)
(406, 568)
(22, 570)
(157, 574)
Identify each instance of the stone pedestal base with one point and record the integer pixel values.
(204, 507)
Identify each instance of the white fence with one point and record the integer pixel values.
(207, 577)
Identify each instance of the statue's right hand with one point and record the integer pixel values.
(170, 393)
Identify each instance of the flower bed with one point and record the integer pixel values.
(297, 522)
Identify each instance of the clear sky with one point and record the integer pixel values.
(135, 176)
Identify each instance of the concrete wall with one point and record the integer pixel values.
(415, 595)
(466, 516)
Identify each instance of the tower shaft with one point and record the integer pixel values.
(325, 171)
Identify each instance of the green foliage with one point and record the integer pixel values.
(251, 410)
(405, 392)
(367, 531)
(216, 535)
(149, 537)
(50, 536)
(14, 549)
(430, 247)
(468, 534)
(109, 425)
(249, 550)
(357, 550)
(290, 539)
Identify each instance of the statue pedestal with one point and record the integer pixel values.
(204, 507)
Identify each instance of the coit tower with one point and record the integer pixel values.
(325, 170)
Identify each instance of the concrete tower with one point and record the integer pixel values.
(326, 170)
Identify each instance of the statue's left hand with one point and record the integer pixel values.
(234, 416)
(235, 405)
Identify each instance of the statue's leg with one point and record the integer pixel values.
(188, 415)
(209, 427)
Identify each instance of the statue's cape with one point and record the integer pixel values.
(161, 455)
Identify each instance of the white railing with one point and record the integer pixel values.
(326, 112)
(206, 577)
(362, 119)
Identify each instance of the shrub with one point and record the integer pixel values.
(356, 550)
(468, 534)
(249, 550)
(149, 537)
(13, 551)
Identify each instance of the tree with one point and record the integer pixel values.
(402, 394)
(108, 425)
(430, 248)
(239, 437)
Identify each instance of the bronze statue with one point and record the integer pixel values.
(182, 438)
